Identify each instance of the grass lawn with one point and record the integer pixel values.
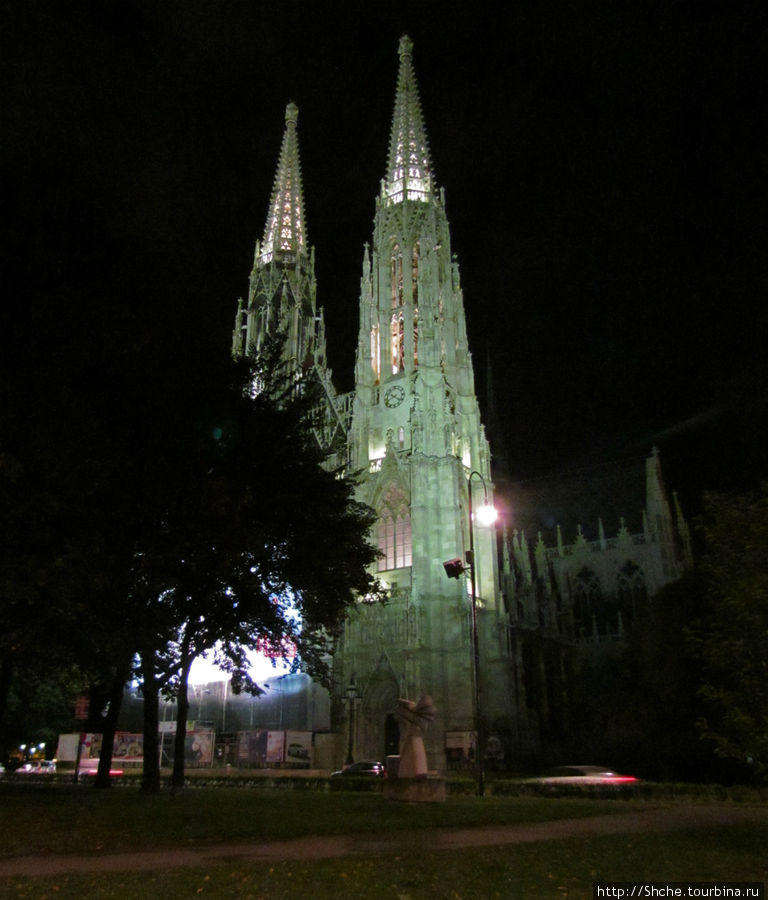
(62, 819)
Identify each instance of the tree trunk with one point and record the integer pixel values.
(109, 726)
(150, 782)
(6, 674)
(182, 714)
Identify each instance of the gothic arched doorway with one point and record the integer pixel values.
(391, 736)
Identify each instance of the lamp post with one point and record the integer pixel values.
(486, 514)
(351, 700)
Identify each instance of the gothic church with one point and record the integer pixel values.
(412, 426)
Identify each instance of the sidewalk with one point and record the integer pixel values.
(650, 820)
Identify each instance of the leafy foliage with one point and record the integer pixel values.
(732, 637)
(153, 505)
(255, 541)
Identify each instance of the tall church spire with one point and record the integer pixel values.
(409, 168)
(284, 231)
(416, 435)
(282, 290)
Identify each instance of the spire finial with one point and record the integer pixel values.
(409, 169)
(284, 231)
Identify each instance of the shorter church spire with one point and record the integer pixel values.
(284, 231)
(409, 168)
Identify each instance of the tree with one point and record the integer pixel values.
(63, 547)
(731, 638)
(257, 542)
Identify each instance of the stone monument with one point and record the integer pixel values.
(412, 783)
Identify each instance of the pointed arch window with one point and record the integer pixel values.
(415, 274)
(375, 354)
(631, 591)
(587, 603)
(398, 343)
(415, 336)
(397, 277)
(394, 537)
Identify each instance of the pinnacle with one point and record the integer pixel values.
(409, 168)
(284, 231)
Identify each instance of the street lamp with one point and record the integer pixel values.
(486, 515)
(351, 701)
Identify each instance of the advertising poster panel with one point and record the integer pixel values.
(128, 747)
(460, 748)
(298, 749)
(198, 748)
(252, 748)
(66, 751)
(275, 746)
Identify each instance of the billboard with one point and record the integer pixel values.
(252, 748)
(275, 746)
(198, 748)
(298, 749)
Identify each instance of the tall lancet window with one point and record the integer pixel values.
(394, 530)
(631, 591)
(397, 277)
(415, 274)
(375, 354)
(398, 343)
(415, 298)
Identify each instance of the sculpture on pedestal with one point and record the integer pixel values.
(413, 718)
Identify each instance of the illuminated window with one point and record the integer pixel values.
(395, 531)
(397, 277)
(415, 336)
(415, 301)
(375, 354)
(401, 437)
(398, 343)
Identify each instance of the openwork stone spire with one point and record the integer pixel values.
(284, 231)
(409, 168)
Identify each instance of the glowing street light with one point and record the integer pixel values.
(486, 515)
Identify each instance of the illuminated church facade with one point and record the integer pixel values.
(412, 428)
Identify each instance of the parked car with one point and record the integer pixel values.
(584, 775)
(37, 767)
(377, 769)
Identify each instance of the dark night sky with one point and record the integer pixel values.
(604, 168)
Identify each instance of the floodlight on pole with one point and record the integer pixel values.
(486, 515)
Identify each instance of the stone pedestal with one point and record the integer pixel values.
(415, 790)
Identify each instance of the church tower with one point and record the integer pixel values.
(417, 437)
(282, 294)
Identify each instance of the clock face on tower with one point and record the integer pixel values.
(394, 396)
